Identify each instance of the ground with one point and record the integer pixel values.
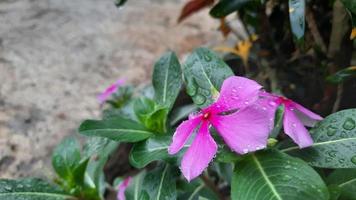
(57, 55)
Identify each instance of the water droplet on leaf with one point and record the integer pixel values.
(353, 160)
(349, 124)
(199, 99)
(331, 131)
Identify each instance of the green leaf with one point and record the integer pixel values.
(275, 175)
(167, 79)
(160, 183)
(152, 149)
(134, 191)
(342, 75)
(345, 179)
(31, 189)
(66, 158)
(120, 3)
(225, 155)
(204, 73)
(152, 115)
(334, 142)
(117, 128)
(181, 113)
(297, 17)
(194, 190)
(79, 172)
(225, 7)
(350, 5)
(99, 149)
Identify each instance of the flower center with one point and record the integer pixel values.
(206, 115)
(283, 100)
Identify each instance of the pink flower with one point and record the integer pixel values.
(294, 119)
(122, 187)
(110, 90)
(244, 130)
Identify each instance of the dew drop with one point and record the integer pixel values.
(264, 108)
(330, 131)
(341, 160)
(286, 178)
(349, 124)
(246, 102)
(272, 103)
(8, 188)
(207, 58)
(332, 154)
(245, 150)
(199, 99)
(328, 159)
(287, 166)
(353, 160)
(294, 125)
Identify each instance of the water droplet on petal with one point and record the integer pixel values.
(294, 125)
(349, 124)
(272, 103)
(245, 150)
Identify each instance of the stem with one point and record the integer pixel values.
(314, 30)
(212, 186)
(340, 90)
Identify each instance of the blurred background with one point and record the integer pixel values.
(57, 55)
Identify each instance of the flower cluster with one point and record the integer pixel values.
(243, 116)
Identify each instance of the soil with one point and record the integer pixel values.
(57, 55)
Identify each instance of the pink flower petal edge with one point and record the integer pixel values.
(199, 154)
(122, 188)
(110, 90)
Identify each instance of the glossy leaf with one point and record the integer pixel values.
(342, 75)
(134, 190)
(99, 149)
(204, 73)
(181, 113)
(225, 7)
(334, 142)
(192, 7)
(152, 149)
(350, 5)
(160, 183)
(152, 115)
(120, 3)
(167, 79)
(118, 129)
(297, 17)
(275, 175)
(66, 158)
(31, 189)
(345, 179)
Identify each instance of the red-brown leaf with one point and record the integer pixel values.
(192, 7)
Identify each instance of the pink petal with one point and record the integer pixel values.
(307, 117)
(244, 131)
(199, 154)
(122, 187)
(237, 92)
(182, 134)
(294, 128)
(270, 106)
(110, 90)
